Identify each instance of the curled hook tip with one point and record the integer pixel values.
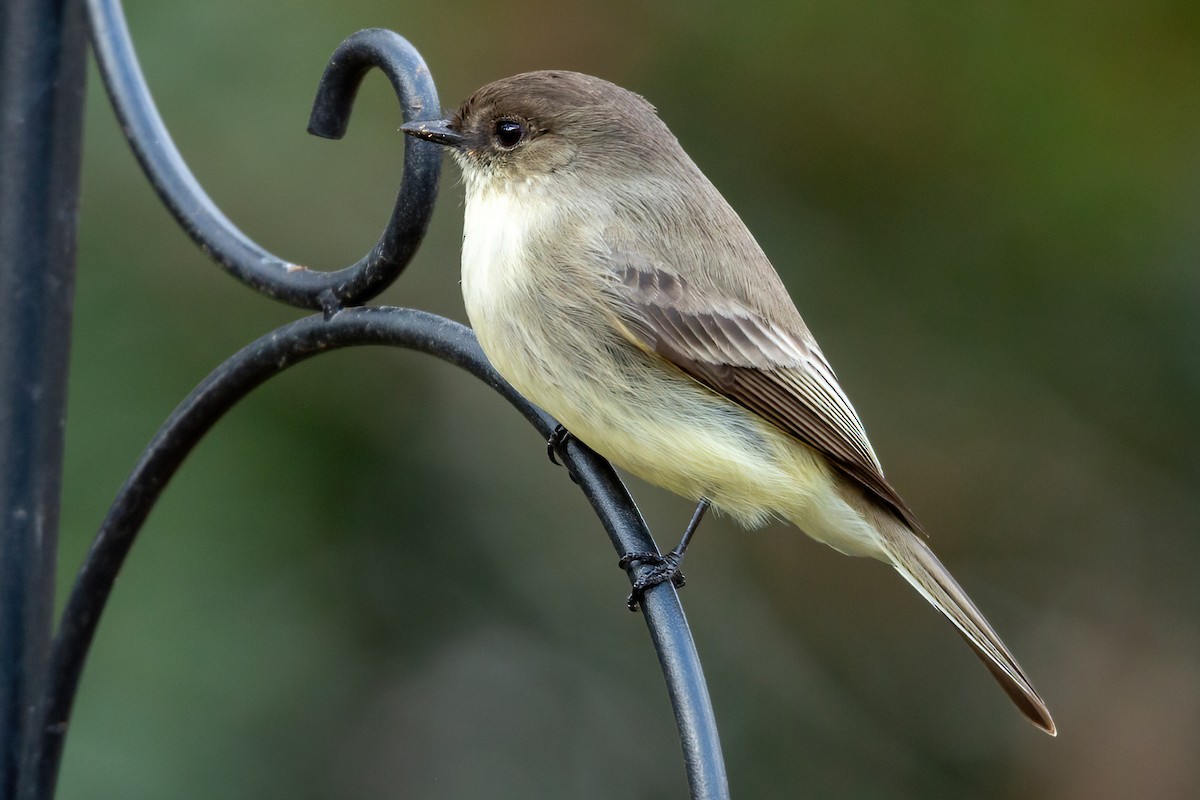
(324, 131)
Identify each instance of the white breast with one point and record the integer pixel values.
(496, 228)
(503, 293)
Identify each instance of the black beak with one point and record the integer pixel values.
(437, 131)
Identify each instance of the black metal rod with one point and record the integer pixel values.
(42, 55)
(669, 631)
(31, 764)
(274, 353)
(208, 226)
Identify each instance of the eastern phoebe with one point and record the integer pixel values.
(613, 286)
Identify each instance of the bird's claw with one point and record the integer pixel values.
(556, 442)
(665, 568)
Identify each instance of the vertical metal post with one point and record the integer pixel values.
(42, 52)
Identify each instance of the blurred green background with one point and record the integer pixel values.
(369, 582)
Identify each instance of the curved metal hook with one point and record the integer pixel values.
(270, 355)
(404, 67)
(211, 229)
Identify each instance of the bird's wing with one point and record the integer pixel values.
(779, 374)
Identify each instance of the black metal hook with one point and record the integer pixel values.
(338, 326)
(211, 229)
(404, 67)
(272, 354)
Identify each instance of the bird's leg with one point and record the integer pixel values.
(666, 568)
(556, 442)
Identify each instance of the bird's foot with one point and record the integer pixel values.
(554, 445)
(665, 568)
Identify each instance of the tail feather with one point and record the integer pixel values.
(920, 567)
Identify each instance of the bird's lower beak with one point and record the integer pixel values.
(437, 131)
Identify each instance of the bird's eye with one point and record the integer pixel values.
(509, 134)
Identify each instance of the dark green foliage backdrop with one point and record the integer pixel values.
(369, 582)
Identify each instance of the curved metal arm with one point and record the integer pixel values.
(269, 356)
(220, 238)
(338, 327)
(330, 117)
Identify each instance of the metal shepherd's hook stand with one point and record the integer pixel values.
(38, 683)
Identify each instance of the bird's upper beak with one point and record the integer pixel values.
(437, 131)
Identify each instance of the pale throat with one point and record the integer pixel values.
(500, 215)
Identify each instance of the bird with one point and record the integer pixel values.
(609, 281)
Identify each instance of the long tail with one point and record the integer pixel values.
(920, 567)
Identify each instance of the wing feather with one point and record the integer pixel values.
(777, 373)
